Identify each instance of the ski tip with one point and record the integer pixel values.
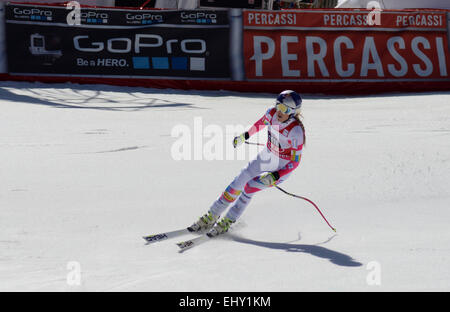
(185, 245)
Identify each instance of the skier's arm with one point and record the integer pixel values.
(262, 122)
(257, 126)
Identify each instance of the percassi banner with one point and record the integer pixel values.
(118, 43)
(353, 46)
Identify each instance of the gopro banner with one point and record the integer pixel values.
(352, 46)
(50, 40)
(3, 62)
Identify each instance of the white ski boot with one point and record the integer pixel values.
(205, 223)
(221, 227)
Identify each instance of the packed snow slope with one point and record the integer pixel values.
(87, 170)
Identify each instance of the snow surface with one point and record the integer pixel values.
(87, 170)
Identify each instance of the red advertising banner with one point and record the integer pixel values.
(346, 46)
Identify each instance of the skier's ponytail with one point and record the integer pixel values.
(297, 116)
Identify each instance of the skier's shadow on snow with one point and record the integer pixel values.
(318, 251)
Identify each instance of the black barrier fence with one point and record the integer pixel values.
(297, 47)
(108, 42)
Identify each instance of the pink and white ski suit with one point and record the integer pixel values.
(281, 156)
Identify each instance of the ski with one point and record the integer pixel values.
(196, 241)
(167, 235)
(193, 242)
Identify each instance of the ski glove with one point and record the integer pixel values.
(240, 139)
(269, 178)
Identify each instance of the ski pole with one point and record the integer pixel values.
(251, 143)
(308, 200)
(297, 196)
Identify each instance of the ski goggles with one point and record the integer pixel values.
(284, 108)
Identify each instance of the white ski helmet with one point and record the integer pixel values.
(290, 102)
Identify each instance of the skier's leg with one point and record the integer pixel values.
(234, 190)
(238, 208)
(250, 189)
(265, 161)
(225, 199)
(231, 193)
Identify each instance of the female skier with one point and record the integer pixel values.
(273, 165)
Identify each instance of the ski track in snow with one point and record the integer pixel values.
(87, 170)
